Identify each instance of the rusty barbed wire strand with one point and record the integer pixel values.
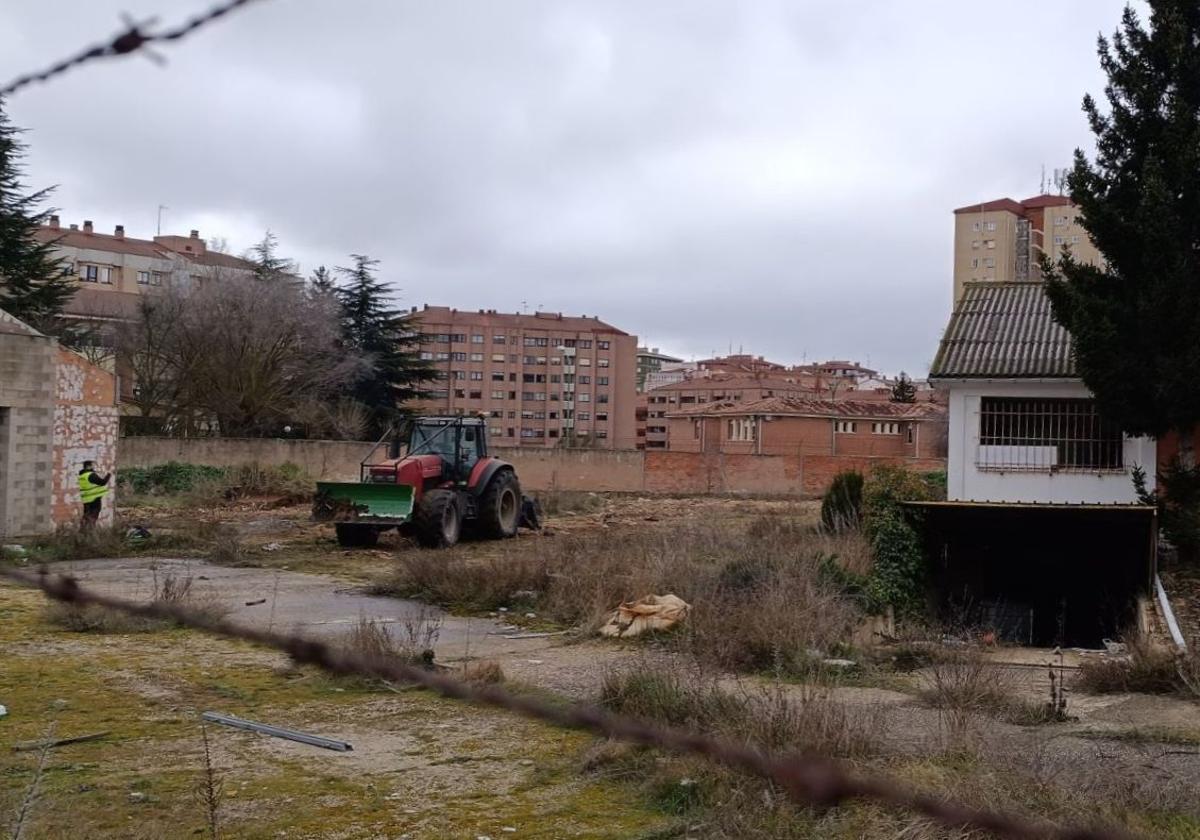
(130, 40)
(808, 779)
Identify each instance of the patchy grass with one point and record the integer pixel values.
(93, 618)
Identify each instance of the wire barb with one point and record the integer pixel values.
(809, 780)
(131, 39)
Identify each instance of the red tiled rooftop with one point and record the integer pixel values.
(1046, 201)
(433, 316)
(797, 407)
(102, 242)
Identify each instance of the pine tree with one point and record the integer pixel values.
(388, 342)
(268, 265)
(1135, 318)
(904, 391)
(322, 282)
(34, 284)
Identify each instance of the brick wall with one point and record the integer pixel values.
(631, 471)
(85, 429)
(26, 428)
(792, 475)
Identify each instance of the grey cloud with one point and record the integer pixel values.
(774, 174)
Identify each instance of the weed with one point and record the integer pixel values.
(210, 789)
(1145, 670)
(92, 618)
(558, 502)
(841, 508)
(226, 548)
(485, 672)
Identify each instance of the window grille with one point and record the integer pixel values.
(1047, 435)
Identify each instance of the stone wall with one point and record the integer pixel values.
(26, 428)
(85, 429)
(631, 471)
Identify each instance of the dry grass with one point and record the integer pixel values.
(558, 502)
(760, 602)
(803, 718)
(92, 618)
(1147, 669)
(484, 672)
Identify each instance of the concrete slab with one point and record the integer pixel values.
(314, 605)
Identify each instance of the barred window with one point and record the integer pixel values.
(1047, 434)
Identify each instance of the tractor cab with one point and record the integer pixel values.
(459, 441)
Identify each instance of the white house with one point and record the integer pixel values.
(1023, 427)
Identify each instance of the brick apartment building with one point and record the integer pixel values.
(112, 269)
(542, 379)
(785, 425)
(1001, 240)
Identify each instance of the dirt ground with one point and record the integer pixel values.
(421, 767)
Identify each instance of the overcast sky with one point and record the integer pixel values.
(776, 176)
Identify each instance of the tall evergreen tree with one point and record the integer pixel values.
(389, 342)
(322, 282)
(268, 265)
(34, 284)
(904, 391)
(1135, 318)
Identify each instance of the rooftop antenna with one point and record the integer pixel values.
(525, 306)
(161, 208)
(1042, 189)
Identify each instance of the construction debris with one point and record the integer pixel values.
(256, 603)
(653, 612)
(278, 732)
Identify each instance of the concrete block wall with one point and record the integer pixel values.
(27, 361)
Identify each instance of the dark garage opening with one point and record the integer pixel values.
(1041, 575)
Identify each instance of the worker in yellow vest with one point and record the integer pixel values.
(91, 490)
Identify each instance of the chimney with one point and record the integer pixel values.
(54, 222)
(119, 232)
(74, 227)
(87, 225)
(195, 234)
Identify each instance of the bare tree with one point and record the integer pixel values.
(254, 353)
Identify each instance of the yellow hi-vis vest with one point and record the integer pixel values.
(89, 492)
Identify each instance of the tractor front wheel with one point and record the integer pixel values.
(354, 535)
(438, 519)
(500, 507)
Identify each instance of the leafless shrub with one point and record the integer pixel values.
(171, 589)
(1146, 669)
(963, 687)
(422, 628)
(226, 549)
(414, 643)
(456, 579)
(484, 672)
(35, 782)
(209, 791)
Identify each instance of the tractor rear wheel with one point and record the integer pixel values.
(354, 535)
(438, 519)
(500, 507)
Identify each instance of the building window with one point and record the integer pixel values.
(975, 244)
(742, 429)
(1047, 434)
(497, 339)
(601, 380)
(426, 356)
(696, 429)
(975, 226)
(442, 338)
(460, 394)
(498, 358)
(602, 363)
(497, 395)
(602, 433)
(602, 345)
(442, 357)
(991, 244)
(439, 394)
(585, 344)
(458, 357)
(885, 428)
(459, 374)
(89, 273)
(602, 398)
(476, 357)
(991, 225)
(585, 397)
(497, 413)
(476, 338)
(989, 262)
(602, 416)
(584, 379)
(143, 278)
(975, 262)
(495, 431)
(475, 395)
(1058, 240)
(458, 338)
(585, 415)
(910, 432)
(498, 377)
(845, 427)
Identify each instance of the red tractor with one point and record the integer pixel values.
(444, 483)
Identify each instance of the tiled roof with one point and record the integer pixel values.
(999, 204)
(433, 316)
(798, 407)
(102, 242)
(1046, 201)
(1004, 331)
(735, 382)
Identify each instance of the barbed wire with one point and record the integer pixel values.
(809, 780)
(130, 40)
